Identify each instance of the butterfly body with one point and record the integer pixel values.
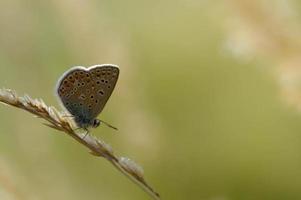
(85, 91)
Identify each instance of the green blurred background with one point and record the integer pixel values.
(207, 101)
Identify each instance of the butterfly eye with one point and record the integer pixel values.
(96, 123)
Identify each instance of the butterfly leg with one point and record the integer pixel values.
(87, 132)
(76, 129)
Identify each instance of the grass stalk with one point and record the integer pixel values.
(57, 120)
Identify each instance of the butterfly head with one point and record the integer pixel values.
(95, 123)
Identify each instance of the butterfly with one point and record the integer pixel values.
(84, 92)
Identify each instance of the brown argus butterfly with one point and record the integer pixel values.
(85, 91)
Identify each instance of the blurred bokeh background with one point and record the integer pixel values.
(208, 101)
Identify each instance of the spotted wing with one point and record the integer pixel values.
(104, 78)
(84, 92)
(70, 87)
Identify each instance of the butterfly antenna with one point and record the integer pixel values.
(109, 125)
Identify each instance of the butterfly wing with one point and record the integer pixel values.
(104, 80)
(69, 89)
(84, 92)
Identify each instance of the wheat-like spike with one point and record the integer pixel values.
(97, 147)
